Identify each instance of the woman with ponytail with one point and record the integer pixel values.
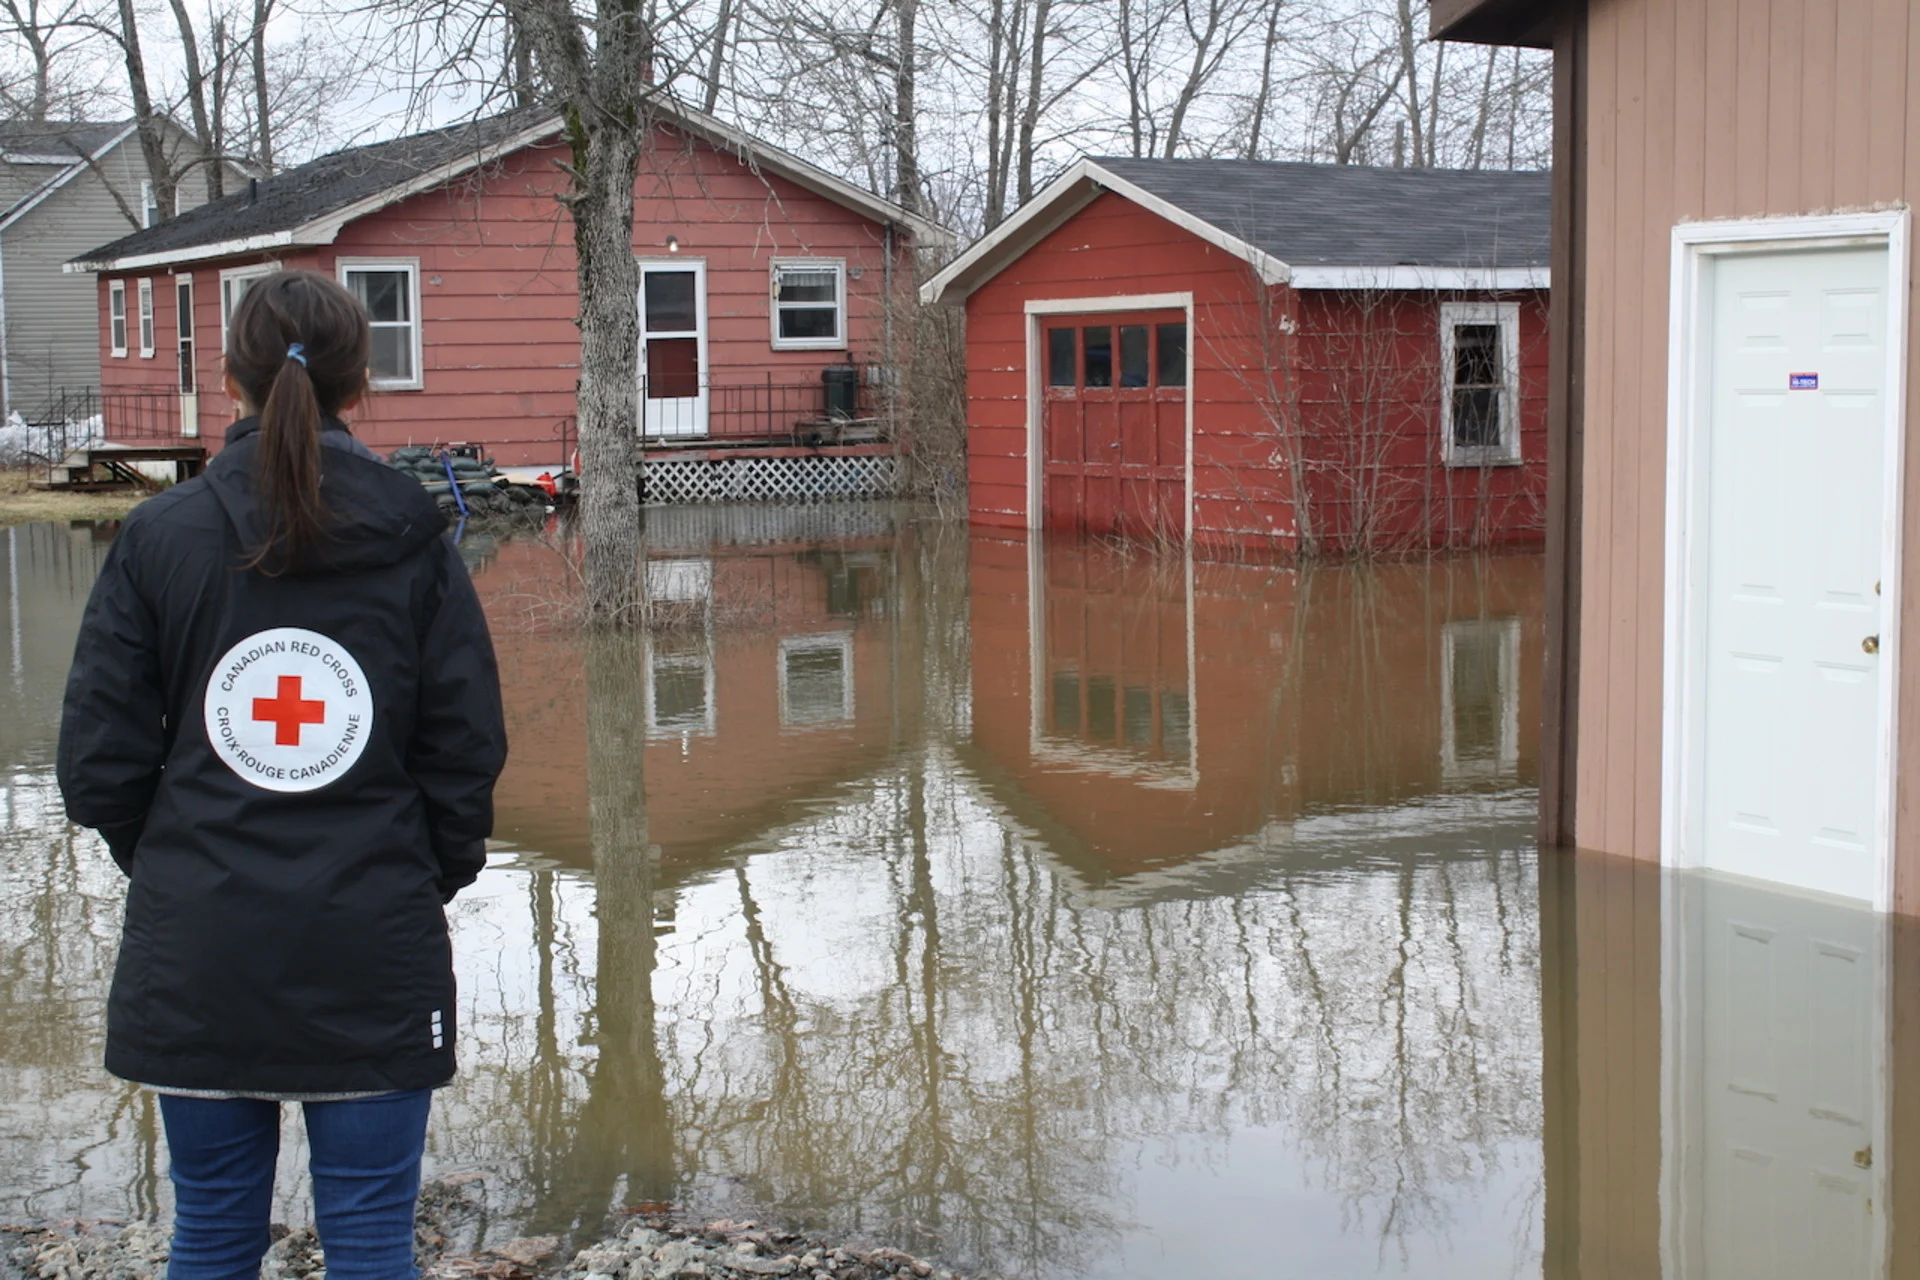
(283, 718)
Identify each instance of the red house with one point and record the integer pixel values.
(759, 273)
(1278, 357)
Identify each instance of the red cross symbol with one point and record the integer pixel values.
(288, 712)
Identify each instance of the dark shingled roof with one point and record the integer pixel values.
(297, 196)
(1352, 216)
(74, 138)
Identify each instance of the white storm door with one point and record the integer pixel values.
(674, 379)
(1789, 739)
(1780, 1061)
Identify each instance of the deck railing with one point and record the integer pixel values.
(811, 412)
(76, 417)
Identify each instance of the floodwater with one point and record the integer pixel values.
(1053, 911)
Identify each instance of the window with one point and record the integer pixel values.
(390, 291)
(146, 320)
(816, 679)
(117, 317)
(1133, 355)
(1062, 358)
(183, 314)
(1099, 346)
(1172, 365)
(234, 284)
(149, 204)
(809, 304)
(1479, 354)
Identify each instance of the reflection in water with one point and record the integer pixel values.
(1047, 909)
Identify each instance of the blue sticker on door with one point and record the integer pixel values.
(1803, 382)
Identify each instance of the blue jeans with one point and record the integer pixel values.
(365, 1160)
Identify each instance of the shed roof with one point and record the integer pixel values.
(1312, 225)
(308, 205)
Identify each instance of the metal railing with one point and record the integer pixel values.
(698, 408)
(76, 418)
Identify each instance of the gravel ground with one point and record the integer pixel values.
(642, 1249)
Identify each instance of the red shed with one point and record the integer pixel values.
(760, 272)
(1262, 356)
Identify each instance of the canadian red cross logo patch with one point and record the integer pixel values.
(288, 709)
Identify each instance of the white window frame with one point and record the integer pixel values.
(1506, 315)
(840, 642)
(411, 268)
(149, 204)
(839, 342)
(258, 271)
(146, 318)
(117, 318)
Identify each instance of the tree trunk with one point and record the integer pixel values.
(196, 100)
(1036, 85)
(1478, 151)
(148, 126)
(906, 110)
(717, 57)
(1264, 97)
(603, 86)
(1411, 69)
(997, 124)
(609, 279)
(262, 100)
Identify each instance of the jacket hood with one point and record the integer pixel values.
(376, 516)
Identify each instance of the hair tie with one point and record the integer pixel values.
(298, 351)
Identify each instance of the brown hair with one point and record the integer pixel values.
(298, 346)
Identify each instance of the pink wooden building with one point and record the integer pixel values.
(760, 274)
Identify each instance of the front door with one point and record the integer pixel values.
(1789, 734)
(1114, 423)
(673, 349)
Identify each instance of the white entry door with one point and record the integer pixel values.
(1777, 1062)
(674, 381)
(1787, 741)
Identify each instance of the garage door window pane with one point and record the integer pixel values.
(1060, 354)
(1099, 345)
(1172, 363)
(1133, 355)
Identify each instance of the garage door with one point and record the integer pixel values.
(1114, 424)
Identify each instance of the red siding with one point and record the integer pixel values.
(501, 350)
(1376, 474)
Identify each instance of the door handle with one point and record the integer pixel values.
(1871, 644)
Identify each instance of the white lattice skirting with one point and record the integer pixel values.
(815, 478)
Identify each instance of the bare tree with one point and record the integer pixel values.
(149, 124)
(598, 67)
(51, 34)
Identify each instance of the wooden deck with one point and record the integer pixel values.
(117, 466)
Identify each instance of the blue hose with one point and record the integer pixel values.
(459, 498)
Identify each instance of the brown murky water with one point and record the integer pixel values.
(1054, 911)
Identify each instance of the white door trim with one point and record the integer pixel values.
(698, 406)
(1683, 685)
(1037, 391)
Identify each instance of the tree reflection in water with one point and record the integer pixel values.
(927, 998)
